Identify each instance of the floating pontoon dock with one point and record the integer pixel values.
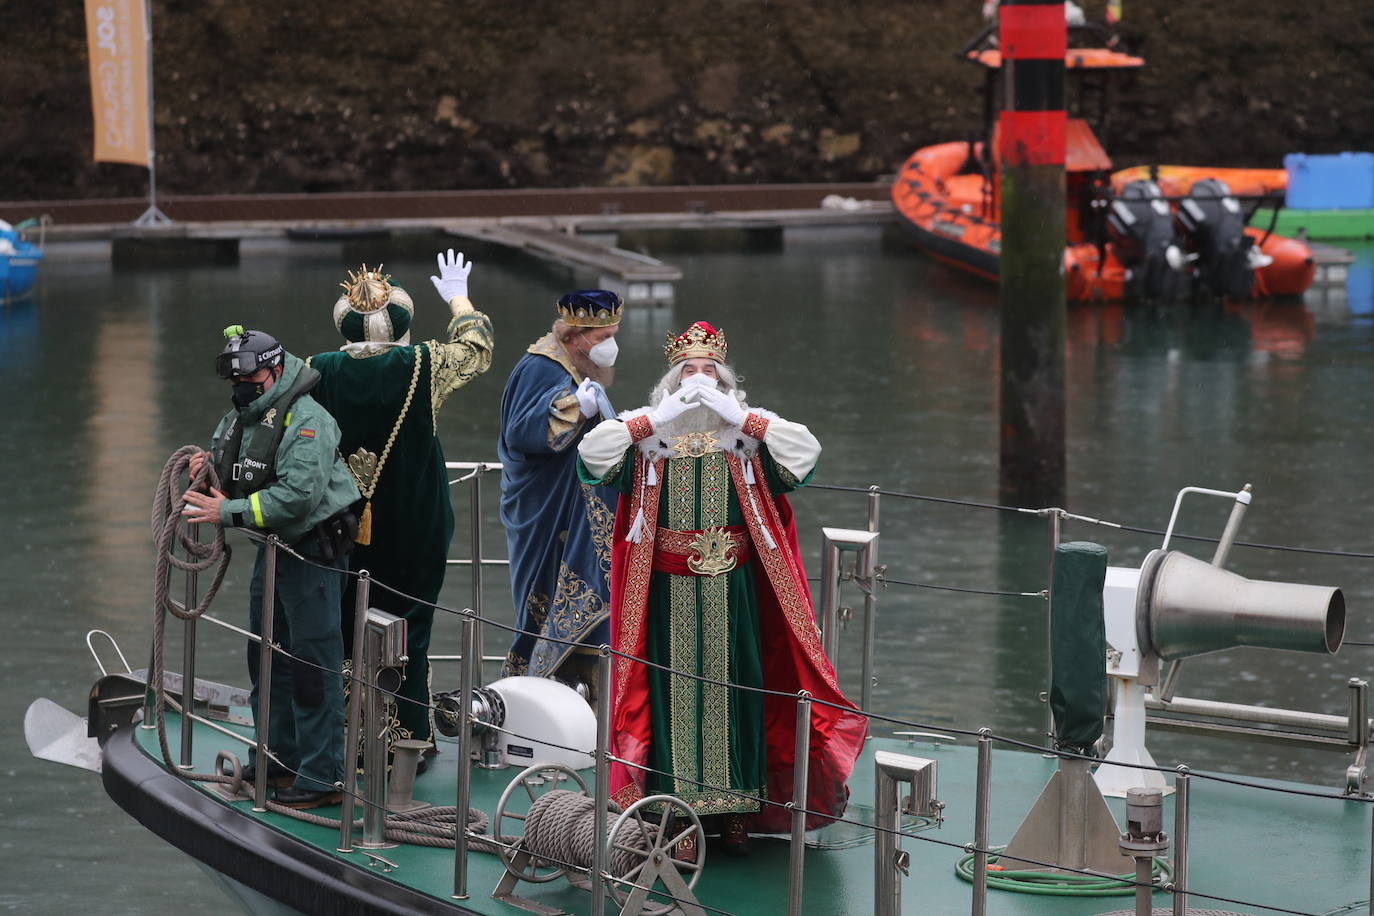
(573, 228)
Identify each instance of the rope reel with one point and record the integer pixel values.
(535, 781)
(559, 837)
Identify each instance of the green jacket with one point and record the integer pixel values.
(311, 483)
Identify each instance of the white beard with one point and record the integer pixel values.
(699, 419)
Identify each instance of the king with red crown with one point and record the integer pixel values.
(707, 580)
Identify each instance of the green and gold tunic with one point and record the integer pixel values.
(706, 735)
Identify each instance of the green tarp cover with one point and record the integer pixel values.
(1078, 685)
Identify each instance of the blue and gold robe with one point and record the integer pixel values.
(558, 529)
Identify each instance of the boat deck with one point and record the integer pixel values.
(1299, 853)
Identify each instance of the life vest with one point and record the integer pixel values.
(255, 466)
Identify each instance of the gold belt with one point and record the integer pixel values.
(708, 552)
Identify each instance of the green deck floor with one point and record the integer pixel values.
(1310, 855)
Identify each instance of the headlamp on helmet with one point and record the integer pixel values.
(247, 352)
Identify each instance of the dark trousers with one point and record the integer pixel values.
(305, 727)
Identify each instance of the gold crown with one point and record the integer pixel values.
(700, 340)
(583, 311)
(367, 290)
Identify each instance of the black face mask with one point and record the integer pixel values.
(246, 393)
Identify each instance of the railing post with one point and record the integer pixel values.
(353, 722)
(1182, 786)
(188, 660)
(1357, 733)
(834, 542)
(889, 771)
(471, 660)
(800, 768)
(263, 715)
(603, 778)
(869, 563)
(383, 654)
(887, 889)
(475, 507)
(830, 598)
(980, 823)
(1358, 728)
(1056, 518)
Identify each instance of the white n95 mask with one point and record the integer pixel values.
(604, 353)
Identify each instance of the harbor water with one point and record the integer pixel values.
(891, 359)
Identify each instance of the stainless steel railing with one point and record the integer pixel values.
(476, 560)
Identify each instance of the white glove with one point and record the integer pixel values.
(453, 275)
(673, 406)
(586, 398)
(724, 403)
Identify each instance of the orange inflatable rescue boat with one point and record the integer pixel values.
(1145, 233)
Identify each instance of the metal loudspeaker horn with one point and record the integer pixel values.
(1187, 607)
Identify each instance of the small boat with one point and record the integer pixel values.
(19, 258)
(1059, 839)
(1144, 233)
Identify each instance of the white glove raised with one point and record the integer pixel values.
(724, 403)
(586, 398)
(674, 405)
(453, 275)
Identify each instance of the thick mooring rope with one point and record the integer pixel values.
(169, 527)
(560, 829)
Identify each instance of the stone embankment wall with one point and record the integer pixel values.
(335, 95)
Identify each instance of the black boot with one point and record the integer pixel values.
(686, 848)
(734, 837)
(277, 778)
(293, 797)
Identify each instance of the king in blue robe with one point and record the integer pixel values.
(558, 529)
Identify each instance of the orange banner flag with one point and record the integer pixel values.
(117, 39)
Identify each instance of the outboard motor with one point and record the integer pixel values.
(1212, 218)
(1141, 227)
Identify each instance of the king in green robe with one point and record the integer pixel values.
(386, 394)
(707, 585)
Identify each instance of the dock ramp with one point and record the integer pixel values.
(638, 278)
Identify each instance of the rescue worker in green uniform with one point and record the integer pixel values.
(276, 454)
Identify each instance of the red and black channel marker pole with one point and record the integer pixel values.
(1033, 41)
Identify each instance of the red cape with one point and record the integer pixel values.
(790, 647)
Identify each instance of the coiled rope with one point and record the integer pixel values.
(170, 526)
(560, 829)
(425, 827)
